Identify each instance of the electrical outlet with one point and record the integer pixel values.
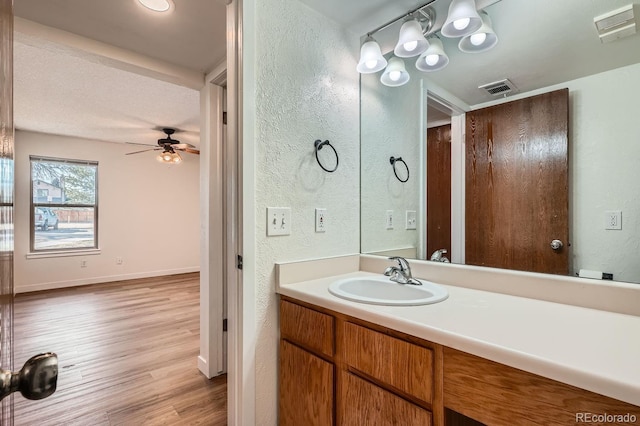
(411, 220)
(321, 220)
(119, 260)
(613, 219)
(278, 221)
(389, 219)
(83, 263)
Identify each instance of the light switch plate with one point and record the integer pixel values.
(321, 220)
(411, 219)
(389, 219)
(278, 221)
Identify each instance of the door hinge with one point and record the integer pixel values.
(239, 262)
(224, 117)
(224, 324)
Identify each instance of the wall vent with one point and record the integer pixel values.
(499, 88)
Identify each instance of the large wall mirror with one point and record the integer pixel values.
(570, 115)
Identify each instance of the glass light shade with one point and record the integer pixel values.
(474, 43)
(169, 157)
(411, 41)
(157, 5)
(459, 12)
(371, 59)
(434, 58)
(396, 74)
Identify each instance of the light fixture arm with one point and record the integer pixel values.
(404, 16)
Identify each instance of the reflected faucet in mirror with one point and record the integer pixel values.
(401, 273)
(438, 256)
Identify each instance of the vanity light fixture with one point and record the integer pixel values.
(371, 59)
(158, 5)
(434, 58)
(482, 40)
(462, 20)
(411, 41)
(395, 74)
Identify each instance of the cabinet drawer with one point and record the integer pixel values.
(362, 403)
(311, 329)
(402, 365)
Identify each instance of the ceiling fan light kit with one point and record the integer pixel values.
(169, 146)
(463, 21)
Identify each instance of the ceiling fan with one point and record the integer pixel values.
(169, 146)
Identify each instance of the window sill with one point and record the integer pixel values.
(63, 253)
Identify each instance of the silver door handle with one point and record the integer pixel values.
(37, 379)
(556, 244)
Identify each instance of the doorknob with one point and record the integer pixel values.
(556, 244)
(37, 379)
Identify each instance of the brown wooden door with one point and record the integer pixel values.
(439, 189)
(6, 200)
(517, 184)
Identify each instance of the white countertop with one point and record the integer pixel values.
(591, 349)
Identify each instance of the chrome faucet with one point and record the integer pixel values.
(401, 273)
(437, 256)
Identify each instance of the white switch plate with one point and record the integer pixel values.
(278, 221)
(321, 220)
(613, 219)
(411, 219)
(389, 219)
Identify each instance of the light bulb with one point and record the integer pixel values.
(166, 157)
(410, 46)
(478, 38)
(432, 59)
(461, 24)
(395, 75)
(371, 64)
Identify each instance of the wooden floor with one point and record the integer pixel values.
(127, 355)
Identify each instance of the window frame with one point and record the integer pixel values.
(33, 206)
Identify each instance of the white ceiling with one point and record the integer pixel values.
(542, 42)
(65, 91)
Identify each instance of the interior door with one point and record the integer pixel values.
(38, 377)
(516, 191)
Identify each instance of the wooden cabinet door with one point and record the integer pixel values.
(362, 403)
(306, 388)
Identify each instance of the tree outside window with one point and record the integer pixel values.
(64, 204)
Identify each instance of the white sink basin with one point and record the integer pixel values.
(382, 291)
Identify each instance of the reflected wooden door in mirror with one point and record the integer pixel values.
(517, 184)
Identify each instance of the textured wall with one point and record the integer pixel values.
(604, 153)
(391, 119)
(148, 215)
(306, 88)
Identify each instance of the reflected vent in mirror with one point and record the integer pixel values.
(499, 88)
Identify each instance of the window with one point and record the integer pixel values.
(64, 203)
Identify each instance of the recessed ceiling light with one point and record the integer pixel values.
(158, 5)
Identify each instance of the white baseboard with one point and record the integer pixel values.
(104, 279)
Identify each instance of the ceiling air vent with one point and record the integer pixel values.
(616, 24)
(499, 88)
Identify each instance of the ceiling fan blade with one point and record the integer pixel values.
(182, 145)
(189, 150)
(144, 150)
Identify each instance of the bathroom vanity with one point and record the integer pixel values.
(347, 363)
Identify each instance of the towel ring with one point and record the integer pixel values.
(393, 161)
(318, 146)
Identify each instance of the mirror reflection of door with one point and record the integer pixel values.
(517, 184)
(438, 189)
